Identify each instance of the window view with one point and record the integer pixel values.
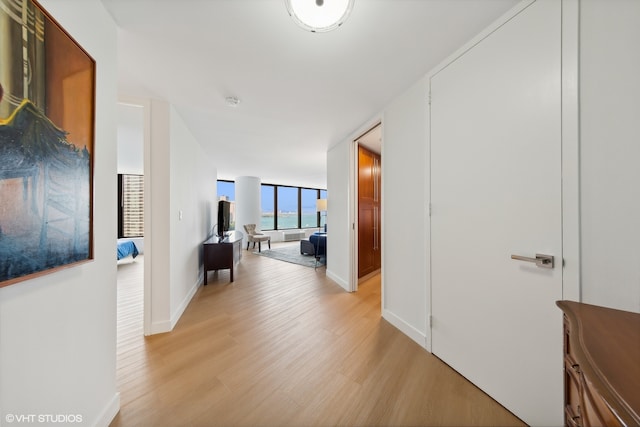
(267, 201)
(287, 207)
(227, 191)
(282, 207)
(130, 206)
(323, 215)
(308, 205)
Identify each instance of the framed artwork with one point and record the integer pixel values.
(47, 107)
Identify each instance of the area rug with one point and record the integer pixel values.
(291, 254)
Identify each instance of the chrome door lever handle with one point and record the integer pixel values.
(541, 260)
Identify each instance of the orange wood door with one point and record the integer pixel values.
(368, 211)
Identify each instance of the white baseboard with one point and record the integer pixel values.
(109, 412)
(405, 328)
(185, 302)
(368, 276)
(160, 327)
(168, 325)
(343, 283)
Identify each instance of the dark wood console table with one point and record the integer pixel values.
(602, 365)
(222, 252)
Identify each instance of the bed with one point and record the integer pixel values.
(127, 248)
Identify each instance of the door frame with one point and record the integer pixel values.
(353, 206)
(145, 104)
(570, 137)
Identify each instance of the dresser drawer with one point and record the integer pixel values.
(571, 418)
(595, 412)
(572, 392)
(601, 369)
(572, 387)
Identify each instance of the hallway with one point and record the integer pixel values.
(285, 346)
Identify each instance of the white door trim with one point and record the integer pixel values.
(353, 203)
(353, 244)
(570, 151)
(148, 236)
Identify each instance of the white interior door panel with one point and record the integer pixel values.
(496, 191)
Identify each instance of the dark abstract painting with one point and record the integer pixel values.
(46, 144)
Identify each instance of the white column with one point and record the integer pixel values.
(247, 201)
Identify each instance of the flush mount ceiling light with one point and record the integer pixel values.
(319, 16)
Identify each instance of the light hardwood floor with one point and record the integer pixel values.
(284, 346)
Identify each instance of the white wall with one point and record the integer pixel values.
(610, 152)
(130, 139)
(181, 210)
(157, 207)
(58, 332)
(339, 228)
(405, 187)
(193, 195)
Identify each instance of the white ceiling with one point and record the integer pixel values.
(300, 92)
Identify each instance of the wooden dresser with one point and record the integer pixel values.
(222, 253)
(601, 365)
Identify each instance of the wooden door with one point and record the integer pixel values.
(368, 211)
(496, 192)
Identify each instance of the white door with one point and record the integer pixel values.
(496, 191)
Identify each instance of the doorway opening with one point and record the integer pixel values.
(368, 203)
(133, 282)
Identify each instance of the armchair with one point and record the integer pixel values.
(254, 235)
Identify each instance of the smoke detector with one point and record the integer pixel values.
(232, 101)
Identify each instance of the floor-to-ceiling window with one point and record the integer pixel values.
(323, 215)
(287, 203)
(309, 216)
(267, 207)
(227, 191)
(130, 205)
(283, 206)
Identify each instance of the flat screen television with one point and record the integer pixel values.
(224, 217)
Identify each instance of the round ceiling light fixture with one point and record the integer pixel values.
(319, 16)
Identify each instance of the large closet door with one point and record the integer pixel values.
(368, 212)
(496, 192)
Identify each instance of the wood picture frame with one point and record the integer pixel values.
(47, 119)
